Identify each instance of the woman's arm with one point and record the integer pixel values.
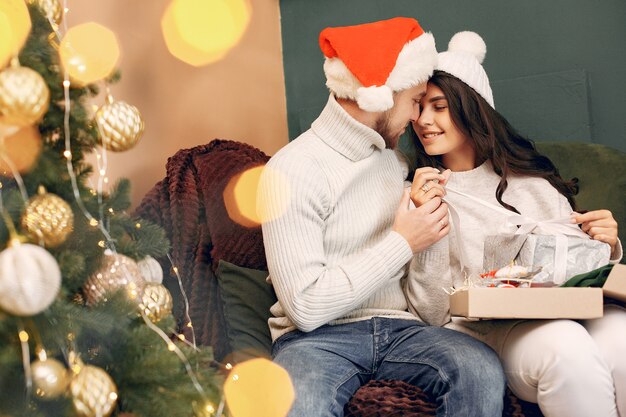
(429, 270)
(428, 275)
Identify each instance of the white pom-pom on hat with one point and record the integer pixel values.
(375, 99)
(469, 42)
(463, 59)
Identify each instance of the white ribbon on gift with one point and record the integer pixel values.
(559, 227)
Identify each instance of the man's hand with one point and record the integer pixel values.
(600, 225)
(423, 226)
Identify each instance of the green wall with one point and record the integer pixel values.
(558, 67)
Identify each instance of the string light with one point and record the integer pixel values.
(76, 368)
(185, 300)
(173, 348)
(66, 129)
(23, 335)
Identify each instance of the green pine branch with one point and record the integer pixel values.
(152, 381)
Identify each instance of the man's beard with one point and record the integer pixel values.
(383, 128)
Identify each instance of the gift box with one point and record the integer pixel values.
(615, 285)
(527, 303)
(560, 257)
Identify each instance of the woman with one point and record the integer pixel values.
(570, 368)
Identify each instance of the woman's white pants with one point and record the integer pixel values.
(570, 368)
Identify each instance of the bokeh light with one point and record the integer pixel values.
(14, 28)
(89, 53)
(258, 388)
(241, 197)
(21, 148)
(200, 32)
(5, 44)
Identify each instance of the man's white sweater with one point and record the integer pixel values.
(330, 197)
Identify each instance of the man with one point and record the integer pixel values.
(337, 243)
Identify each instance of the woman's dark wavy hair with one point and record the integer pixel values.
(494, 139)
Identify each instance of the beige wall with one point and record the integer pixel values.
(241, 97)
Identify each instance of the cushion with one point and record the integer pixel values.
(247, 298)
(601, 172)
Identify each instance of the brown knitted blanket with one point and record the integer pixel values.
(188, 204)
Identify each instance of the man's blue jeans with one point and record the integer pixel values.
(328, 365)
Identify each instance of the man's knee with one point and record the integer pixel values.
(479, 364)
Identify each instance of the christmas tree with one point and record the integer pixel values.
(85, 325)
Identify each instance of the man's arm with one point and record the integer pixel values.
(311, 292)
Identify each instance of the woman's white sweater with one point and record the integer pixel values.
(438, 267)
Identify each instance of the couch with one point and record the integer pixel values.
(222, 263)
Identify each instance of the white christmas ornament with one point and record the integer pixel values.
(151, 270)
(30, 279)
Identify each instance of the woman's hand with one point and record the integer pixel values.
(428, 183)
(600, 225)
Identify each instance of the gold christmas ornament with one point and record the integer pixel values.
(151, 270)
(24, 96)
(52, 9)
(50, 378)
(117, 272)
(20, 147)
(94, 393)
(49, 218)
(30, 279)
(156, 302)
(120, 125)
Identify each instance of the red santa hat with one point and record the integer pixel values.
(367, 63)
